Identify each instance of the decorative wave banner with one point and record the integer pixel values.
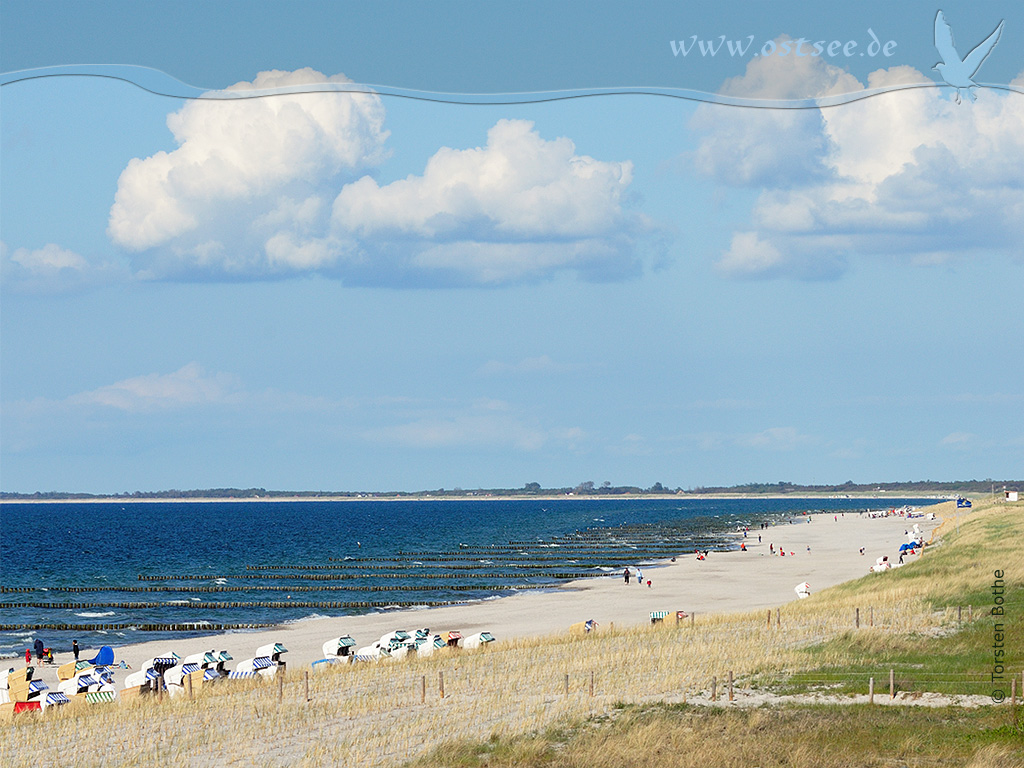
(160, 83)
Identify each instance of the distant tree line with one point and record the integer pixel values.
(586, 488)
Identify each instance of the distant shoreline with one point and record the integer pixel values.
(876, 496)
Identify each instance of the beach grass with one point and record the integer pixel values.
(507, 698)
(678, 736)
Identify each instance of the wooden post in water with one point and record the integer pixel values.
(730, 685)
(871, 690)
(714, 689)
(892, 683)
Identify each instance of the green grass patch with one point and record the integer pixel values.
(660, 736)
(959, 581)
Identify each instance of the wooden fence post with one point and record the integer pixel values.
(440, 683)
(307, 685)
(591, 682)
(778, 617)
(691, 619)
(730, 685)
(423, 692)
(856, 618)
(871, 616)
(959, 614)
(189, 679)
(280, 685)
(769, 618)
(1013, 698)
(714, 689)
(892, 683)
(871, 690)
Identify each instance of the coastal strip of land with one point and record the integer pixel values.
(823, 552)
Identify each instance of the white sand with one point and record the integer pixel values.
(725, 582)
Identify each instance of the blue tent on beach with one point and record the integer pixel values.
(104, 658)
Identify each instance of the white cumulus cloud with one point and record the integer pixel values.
(241, 166)
(260, 188)
(518, 208)
(908, 173)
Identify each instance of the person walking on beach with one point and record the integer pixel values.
(74, 648)
(639, 577)
(625, 575)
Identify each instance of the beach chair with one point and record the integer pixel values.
(274, 651)
(657, 617)
(428, 645)
(478, 640)
(340, 648)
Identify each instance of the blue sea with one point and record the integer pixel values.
(119, 573)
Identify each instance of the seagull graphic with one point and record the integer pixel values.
(954, 70)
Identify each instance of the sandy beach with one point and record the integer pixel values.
(725, 582)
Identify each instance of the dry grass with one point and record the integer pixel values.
(798, 737)
(373, 715)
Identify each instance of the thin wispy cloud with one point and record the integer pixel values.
(958, 439)
(530, 365)
(485, 424)
(188, 386)
(54, 269)
(772, 439)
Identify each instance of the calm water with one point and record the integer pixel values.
(394, 553)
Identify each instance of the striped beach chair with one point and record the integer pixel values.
(658, 616)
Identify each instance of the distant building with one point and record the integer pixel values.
(1011, 495)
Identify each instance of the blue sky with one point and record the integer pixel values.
(339, 291)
